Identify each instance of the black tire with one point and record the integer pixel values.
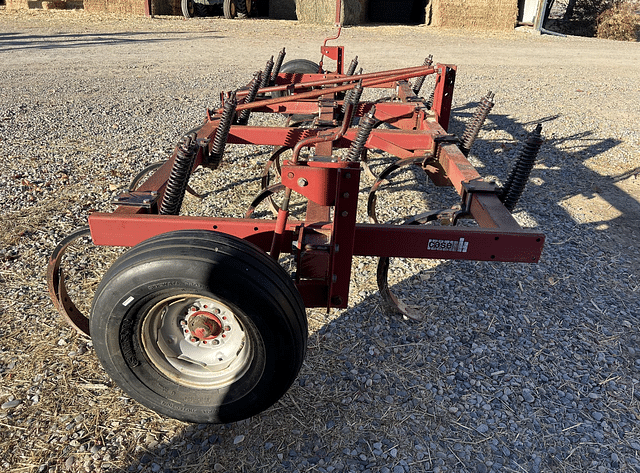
(238, 9)
(297, 66)
(191, 9)
(229, 9)
(188, 8)
(202, 10)
(244, 8)
(300, 66)
(241, 361)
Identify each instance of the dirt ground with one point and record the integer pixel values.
(585, 92)
(599, 76)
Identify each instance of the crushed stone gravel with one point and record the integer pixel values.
(516, 368)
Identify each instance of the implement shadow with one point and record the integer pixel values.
(376, 391)
(515, 366)
(564, 181)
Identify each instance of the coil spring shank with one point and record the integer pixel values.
(429, 102)
(473, 127)
(266, 75)
(420, 80)
(179, 177)
(277, 66)
(220, 138)
(352, 66)
(353, 96)
(364, 130)
(519, 175)
(254, 85)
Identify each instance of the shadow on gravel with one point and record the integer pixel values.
(516, 367)
(17, 41)
(564, 182)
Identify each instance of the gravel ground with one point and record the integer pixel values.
(518, 368)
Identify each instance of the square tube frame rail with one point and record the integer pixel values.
(324, 245)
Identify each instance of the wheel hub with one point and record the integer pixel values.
(204, 325)
(196, 340)
(207, 326)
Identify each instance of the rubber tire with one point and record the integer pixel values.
(202, 10)
(244, 10)
(188, 8)
(213, 265)
(229, 9)
(300, 66)
(297, 66)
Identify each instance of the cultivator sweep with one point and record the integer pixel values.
(198, 320)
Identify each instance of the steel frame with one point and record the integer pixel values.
(325, 242)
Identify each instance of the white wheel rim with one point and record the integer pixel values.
(196, 341)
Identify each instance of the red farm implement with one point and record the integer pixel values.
(198, 320)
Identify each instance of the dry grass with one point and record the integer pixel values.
(80, 406)
(621, 22)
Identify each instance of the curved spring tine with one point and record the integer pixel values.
(364, 161)
(390, 301)
(274, 161)
(262, 195)
(135, 182)
(371, 201)
(58, 290)
(364, 158)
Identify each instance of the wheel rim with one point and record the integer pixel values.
(196, 341)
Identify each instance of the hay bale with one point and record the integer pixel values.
(475, 14)
(18, 4)
(133, 7)
(323, 12)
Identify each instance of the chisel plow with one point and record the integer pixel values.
(198, 320)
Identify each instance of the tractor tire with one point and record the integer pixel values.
(200, 326)
(192, 9)
(245, 8)
(202, 10)
(297, 66)
(238, 9)
(188, 8)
